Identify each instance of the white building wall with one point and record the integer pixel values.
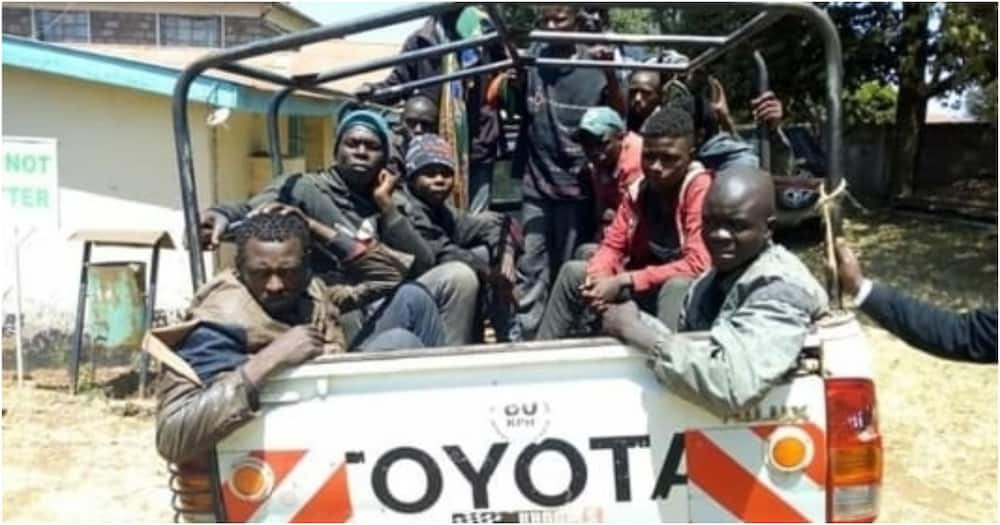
(117, 169)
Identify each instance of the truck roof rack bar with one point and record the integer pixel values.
(501, 26)
(273, 137)
(437, 79)
(763, 133)
(227, 60)
(608, 64)
(182, 130)
(274, 78)
(624, 39)
(402, 58)
(256, 73)
(737, 37)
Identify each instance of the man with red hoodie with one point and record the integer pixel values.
(614, 165)
(653, 248)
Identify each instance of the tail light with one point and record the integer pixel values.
(854, 477)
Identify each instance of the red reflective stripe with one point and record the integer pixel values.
(731, 486)
(281, 462)
(817, 469)
(330, 504)
(763, 431)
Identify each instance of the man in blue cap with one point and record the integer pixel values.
(356, 196)
(614, 162)
(486, 241)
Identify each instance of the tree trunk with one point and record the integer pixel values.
(911, 112)
(911, 102)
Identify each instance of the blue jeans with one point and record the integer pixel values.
(407, 319)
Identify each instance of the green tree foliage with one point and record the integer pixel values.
(943, 49)
(873, 103)
(982, 102)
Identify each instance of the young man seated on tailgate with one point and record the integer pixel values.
(757, 304)
(653, 249)
(271, 313)
(485, 241)
(614, 164)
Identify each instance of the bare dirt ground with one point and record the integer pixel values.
(79, 459)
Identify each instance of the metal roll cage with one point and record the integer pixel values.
(716, 46)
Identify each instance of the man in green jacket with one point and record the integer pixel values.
(757, 304)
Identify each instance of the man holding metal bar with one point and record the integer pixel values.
(469, 124)
(557, 211)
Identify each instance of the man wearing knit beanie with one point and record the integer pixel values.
(357, 196)
(485, 242)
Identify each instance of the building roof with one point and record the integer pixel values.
(216, 88)
(285, 16)
(155, 69)
(287, 7)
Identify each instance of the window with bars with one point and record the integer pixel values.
(62, 26)
(190, 31)
(296, 136)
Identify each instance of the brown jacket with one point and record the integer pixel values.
(193, 416)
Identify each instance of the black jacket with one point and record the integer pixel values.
(970, 336)
(453, 233)
(325, 197)
(484, 123)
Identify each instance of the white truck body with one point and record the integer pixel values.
(564, 431)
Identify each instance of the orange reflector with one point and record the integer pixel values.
(251, 480)
(789, 452)
(856, 465)
(790, 449)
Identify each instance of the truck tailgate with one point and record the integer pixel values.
(575, 431)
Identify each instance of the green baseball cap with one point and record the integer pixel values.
(599, 122)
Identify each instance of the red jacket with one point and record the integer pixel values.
(610, 187)
(625, 246)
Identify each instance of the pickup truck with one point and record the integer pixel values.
(575, 430)
(566, 431)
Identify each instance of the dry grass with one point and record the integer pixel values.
(938, 418)
(72, 459)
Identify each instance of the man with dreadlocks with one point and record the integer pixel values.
(357, 195)
(269, 314)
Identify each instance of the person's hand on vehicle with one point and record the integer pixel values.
(720, 104)
(600, 52)
(768, 109)
(294, 347)
(508, 267)
(848, 269)
(384, 189)
(213, 224)
(621, 320)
